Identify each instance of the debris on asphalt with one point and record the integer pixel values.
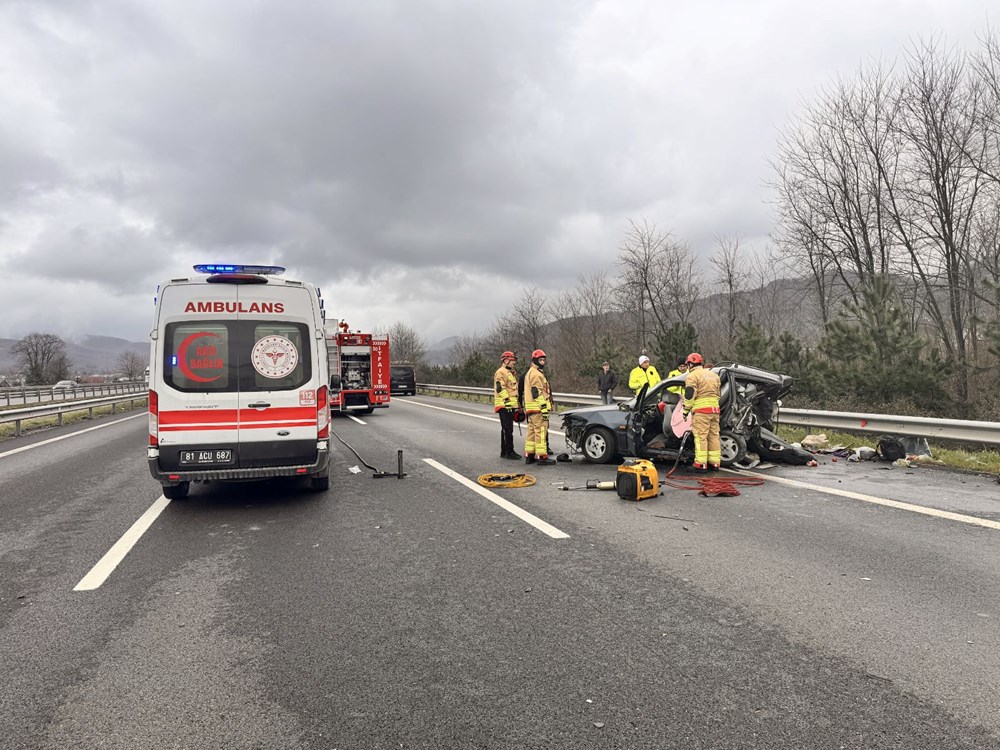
(814, 442)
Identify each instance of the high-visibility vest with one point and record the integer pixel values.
(640, 377)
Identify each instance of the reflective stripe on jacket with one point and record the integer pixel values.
(701, 391)
(537, 398)
(504, 389)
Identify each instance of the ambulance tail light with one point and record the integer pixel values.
(322, 413)
(154, 418)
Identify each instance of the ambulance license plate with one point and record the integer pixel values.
(214, 456)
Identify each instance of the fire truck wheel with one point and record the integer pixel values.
(177, 491)
(370, 410)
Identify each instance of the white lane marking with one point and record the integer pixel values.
(961, 518)
(107, 564)
(524, 515)
(351, 416)
(463, 413)
(72, 434)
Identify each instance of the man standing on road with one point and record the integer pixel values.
(505, 403)
(607, 381)
(537, 404)
(701, 396)
(644, 374)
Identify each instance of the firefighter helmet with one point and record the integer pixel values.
(695, 359)
(509, 355)
(537, 353)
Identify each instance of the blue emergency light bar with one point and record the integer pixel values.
(222, 268)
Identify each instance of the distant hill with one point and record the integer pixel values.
(439, 353)
(93, 355)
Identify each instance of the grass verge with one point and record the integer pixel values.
(72, 417)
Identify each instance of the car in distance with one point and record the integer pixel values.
(63, 385)
(402, 381)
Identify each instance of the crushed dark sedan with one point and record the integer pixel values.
(641, 428)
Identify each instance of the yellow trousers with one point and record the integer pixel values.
(707, 450)
(538, 428)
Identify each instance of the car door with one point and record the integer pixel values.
(278, 383)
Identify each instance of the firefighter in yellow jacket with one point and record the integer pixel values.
(701, 396)
(537, 405)
(505, 403)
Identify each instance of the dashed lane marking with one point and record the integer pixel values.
(72, 434)
(107, 564)
(946, 514)
(463, 413)
(524, 515)
(351, 416)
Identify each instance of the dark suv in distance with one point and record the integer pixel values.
(402, 381)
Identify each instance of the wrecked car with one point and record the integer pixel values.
(640, 427)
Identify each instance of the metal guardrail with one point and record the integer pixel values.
(962, 430)
(60, 408)
(45, 393)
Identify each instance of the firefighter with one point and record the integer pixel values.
(701, 396)
(642, 375)
(505, 403)
(537, 405)
(681, 368)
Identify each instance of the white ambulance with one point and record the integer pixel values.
(238, 379)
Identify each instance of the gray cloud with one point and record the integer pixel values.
(421, 160)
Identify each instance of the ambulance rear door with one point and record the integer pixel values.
(279, 377)
(196, 376)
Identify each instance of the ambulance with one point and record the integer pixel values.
(239, 380)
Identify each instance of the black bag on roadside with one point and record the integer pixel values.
(890, 448)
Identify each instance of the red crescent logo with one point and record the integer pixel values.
(182, 357)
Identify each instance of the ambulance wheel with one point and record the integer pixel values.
(733, 448)
(176, 491)
(599, 446)
(319, 484)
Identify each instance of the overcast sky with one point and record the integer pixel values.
(420, 160)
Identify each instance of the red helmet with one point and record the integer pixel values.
(537, 353)
(695, 359)
(509, 355)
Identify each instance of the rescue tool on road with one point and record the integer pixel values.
(239, 381)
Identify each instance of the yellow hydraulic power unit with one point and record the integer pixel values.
(637, 480)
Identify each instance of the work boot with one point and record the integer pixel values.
(713, 467)
(545, 461)
(512, 455)
(529, 458)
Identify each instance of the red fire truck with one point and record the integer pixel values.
(361, 361)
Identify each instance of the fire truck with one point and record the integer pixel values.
(361, 361)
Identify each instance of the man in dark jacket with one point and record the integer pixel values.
(607, 381)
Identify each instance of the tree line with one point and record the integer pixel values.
(879, 289)
(42, 360)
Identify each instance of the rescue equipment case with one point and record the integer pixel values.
(637, 480)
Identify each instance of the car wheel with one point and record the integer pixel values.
(176, 491)
(733, 448)
(599, 446)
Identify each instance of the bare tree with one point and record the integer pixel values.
(405, 345)
(132, 365)
(731, 279)
(43, 358)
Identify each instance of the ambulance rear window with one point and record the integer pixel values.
(279, 356)
(198, 357)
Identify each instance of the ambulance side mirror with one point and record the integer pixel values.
(335, 384)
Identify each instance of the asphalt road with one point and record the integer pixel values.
(415, 612)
